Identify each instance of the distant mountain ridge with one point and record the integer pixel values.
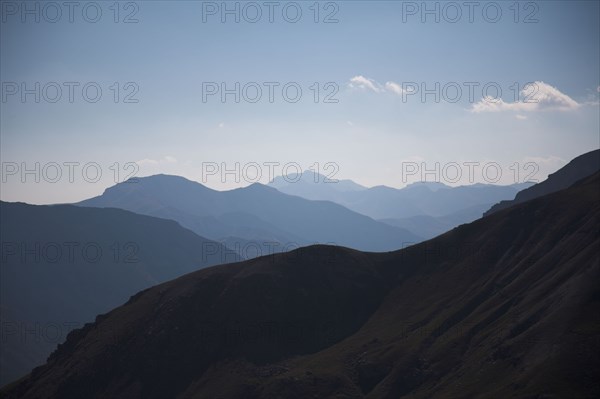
(426, 209)
(255, 214)
(579, 168)
(382, 202)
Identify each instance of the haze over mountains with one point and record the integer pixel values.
(258, 220)
(256, 214)
(382, 202)
(426, 209)
(503, 307)
(62, 265)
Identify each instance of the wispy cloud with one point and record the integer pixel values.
(538, 96)
(361, 82)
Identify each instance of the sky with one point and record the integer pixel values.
(380, 92)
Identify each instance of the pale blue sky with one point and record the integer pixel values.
(369, 133)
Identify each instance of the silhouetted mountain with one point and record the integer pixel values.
(580, 167)
(256, 214)
(503, 307)
(62, 265)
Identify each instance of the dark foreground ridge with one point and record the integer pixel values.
(503, 307)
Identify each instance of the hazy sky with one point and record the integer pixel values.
(161, 80)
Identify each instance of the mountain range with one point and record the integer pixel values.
(253, 216)
(260, 220)
(383, 202)
(426, 209)
(46, 294)
(502, 307)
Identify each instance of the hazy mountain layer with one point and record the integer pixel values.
(381, 202)
(256, 214)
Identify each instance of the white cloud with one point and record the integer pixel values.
(539, 96)
(394, 88)
(221, 125)
(361, 82)
(520, 117)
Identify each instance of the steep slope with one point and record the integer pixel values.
(580, 167)
(503, 307)
(256, 213)
(62, 265)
